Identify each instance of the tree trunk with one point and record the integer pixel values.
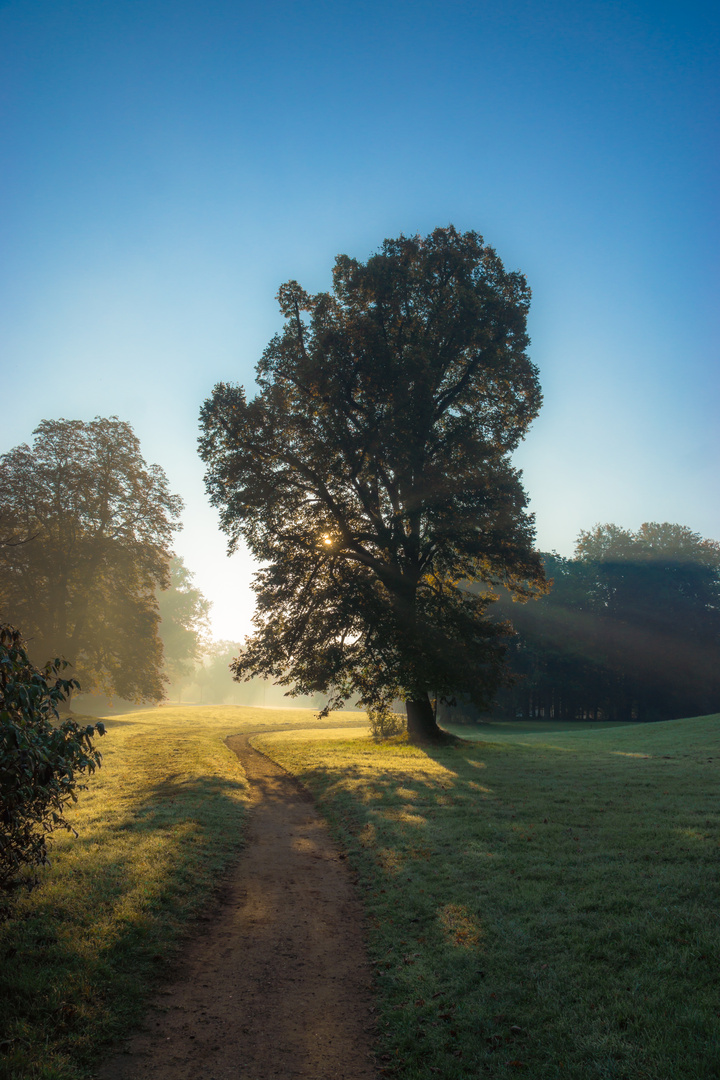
(421, 719)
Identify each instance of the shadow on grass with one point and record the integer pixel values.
(80, 955)
(497, 876)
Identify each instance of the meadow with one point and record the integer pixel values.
(158, 825)
(540, 899)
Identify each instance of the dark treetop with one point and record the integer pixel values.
(370, 476)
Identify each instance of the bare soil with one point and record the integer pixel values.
(277, 982)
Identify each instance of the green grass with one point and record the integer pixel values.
(158, 825)
(540, 901)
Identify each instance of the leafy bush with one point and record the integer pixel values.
(41, 759)
(384, 723)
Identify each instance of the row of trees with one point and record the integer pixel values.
(629, 630)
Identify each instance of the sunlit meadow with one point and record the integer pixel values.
(158, 825)
(539, 902)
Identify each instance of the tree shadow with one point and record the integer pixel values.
(96, 936)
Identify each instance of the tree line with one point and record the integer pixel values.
(629, 630)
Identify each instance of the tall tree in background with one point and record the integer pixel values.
(184, 622)
(213, 677)
(371, 476)
(96, 523)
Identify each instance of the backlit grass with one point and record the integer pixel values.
(540, 902)
(158, 825)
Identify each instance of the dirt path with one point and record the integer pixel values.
(278, 983)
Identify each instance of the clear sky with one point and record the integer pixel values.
(167, 164)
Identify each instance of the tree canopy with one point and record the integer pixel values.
(89, 526)
(371, 476)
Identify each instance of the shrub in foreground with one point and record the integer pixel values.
(41, 759)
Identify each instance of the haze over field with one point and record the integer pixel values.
(168, 166)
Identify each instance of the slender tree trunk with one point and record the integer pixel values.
(421, 718)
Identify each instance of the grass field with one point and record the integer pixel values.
(158, 824)
(540, 902)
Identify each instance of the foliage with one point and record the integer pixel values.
(630, 629)
(371, 476)
(97, 523)
(385, 724)
(40, 759)
(184, 622)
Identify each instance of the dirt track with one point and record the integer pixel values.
(278, 984)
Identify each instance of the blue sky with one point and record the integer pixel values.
(167, 165)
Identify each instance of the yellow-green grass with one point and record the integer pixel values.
(540, 902)
(157, 826)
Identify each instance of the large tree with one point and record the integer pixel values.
(90, 525)
(371, 476)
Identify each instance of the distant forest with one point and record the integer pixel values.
(630, 630)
